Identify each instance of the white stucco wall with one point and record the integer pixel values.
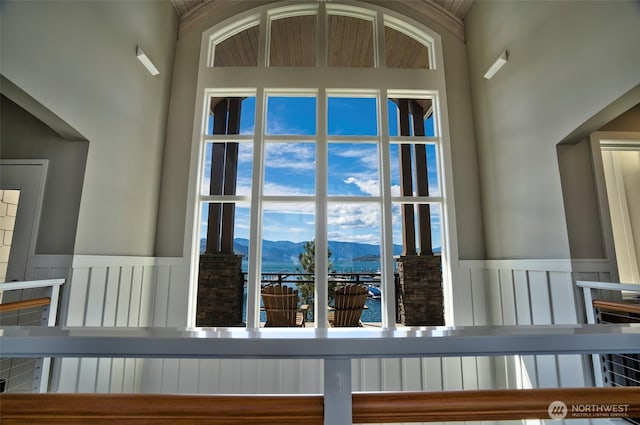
(567, 62)
(78, 60)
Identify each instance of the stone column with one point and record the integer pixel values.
(420, 294)
(220, 290)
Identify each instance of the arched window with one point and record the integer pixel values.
(321, 122)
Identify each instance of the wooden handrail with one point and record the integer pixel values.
(18, 305)
(54, 409)
(485, 405)
(367, 407)
(617, 307)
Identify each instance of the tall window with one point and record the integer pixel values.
(329, 131)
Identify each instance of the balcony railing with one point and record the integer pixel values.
(32, 303)
(614, 303)
(336, 347)
(133, 409)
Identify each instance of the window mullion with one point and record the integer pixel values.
(379, 44)
(263, 41)
(386, 258)
(322, 244)
(321, 51)
(255, 242)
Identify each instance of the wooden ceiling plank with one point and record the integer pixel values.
(449, 14)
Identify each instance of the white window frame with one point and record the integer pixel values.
(380, 81)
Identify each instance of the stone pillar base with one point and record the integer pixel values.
(420, 295)
(220, 290)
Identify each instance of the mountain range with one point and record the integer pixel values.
(289, 251)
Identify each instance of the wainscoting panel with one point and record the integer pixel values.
(145, 291)
(49, 267)
(107, 291)
(533, 292)
(230, 376)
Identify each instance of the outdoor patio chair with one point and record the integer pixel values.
(348, 305)
(281, 305)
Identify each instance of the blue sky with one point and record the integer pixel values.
(353, 169)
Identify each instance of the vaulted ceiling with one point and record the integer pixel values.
(449, 13)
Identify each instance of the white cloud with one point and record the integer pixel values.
(366, 155)
(247, 129)
(245, 153)
(302, 209)
(243, 185)
(372, 238)
(353, 215)
(370, 186)
(290, 156)
(292, 222)
(276, 126)
(276, 232)
(272, 188)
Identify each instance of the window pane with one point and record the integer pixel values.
(353, 169)
(354, 222)
(354, 237)
(286, 227)
(403, 51)
(428, 155)
(415, 108)
(223, 112)
(248, 116)
(289, 169)
(216, 155)
(350, 42)
(352, 116)
(354, 243)
(293, 41)
(291, 222)
(291, 115)
(431, 216)
(393, 118)
(238, 50)
(240, 226)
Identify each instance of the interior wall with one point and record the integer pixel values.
(22, 136)
(173, 198)
(78, 59)
(567, 61)
(581, 202)
(629, 121)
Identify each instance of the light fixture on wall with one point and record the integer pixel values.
(142, 57)
(502, 59)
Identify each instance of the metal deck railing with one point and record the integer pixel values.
(32, 303)
(608, 303)
(336, 347)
